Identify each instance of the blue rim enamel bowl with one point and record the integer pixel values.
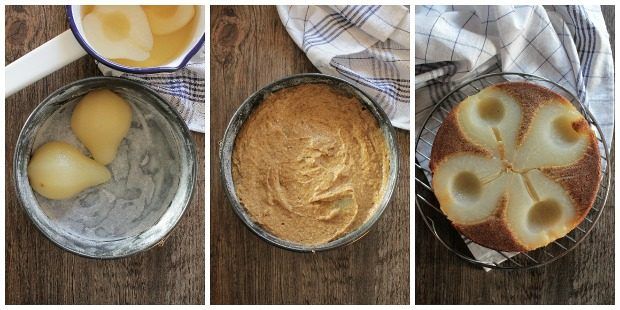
(75, 23)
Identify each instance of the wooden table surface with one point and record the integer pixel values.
(37, 271)
(249, 49)
(583, 276)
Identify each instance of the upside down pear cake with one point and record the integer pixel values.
(515, 167)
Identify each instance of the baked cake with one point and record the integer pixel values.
(515, 167)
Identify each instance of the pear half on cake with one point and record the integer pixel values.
(515, 167)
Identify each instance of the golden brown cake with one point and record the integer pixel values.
(310, 164)
(515, 167)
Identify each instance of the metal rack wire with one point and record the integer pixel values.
(440, 226)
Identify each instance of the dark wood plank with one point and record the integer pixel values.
(609, 14)
(250, 48)
(583, 276)
(37, 271)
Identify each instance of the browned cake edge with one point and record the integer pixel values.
(450, 140)
(581, 180)
(493, 232)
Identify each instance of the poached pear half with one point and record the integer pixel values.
(58, 170)
(100, 121)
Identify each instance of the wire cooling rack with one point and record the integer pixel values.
(438, 223)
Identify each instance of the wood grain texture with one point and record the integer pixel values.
(37, 271)
(609, 14)
(583, 276)
(249, 49)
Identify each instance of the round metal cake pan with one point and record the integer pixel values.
(246, 109)
(158, 119)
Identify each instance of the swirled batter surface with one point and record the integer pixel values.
(310, 164)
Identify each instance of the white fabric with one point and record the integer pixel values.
(566, 44)
(183, 89)
(366, 45)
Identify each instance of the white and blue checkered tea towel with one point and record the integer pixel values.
(566, 44)
(183, 89)
(366, 45)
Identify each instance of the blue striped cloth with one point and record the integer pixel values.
(366, 45)
(566, 44)
(183, 89)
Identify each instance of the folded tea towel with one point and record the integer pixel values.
(183, 89)
(365, 45)
(566, 44)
